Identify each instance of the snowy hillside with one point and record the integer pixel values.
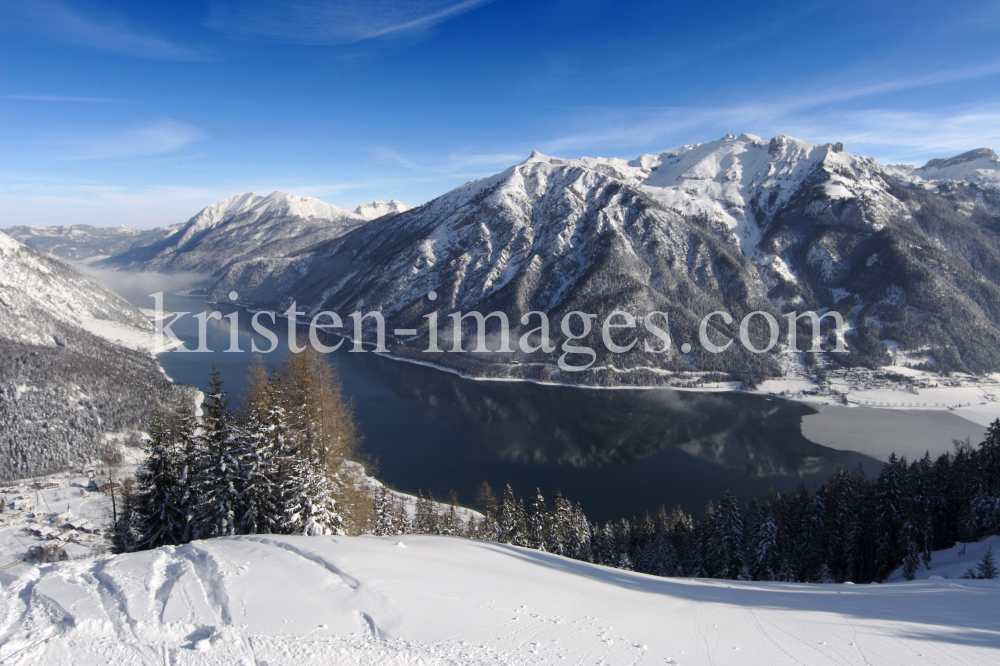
(374, 209)
(40, 293)
(981, 166)
(242, 227)
(953, 563)
(442, 600)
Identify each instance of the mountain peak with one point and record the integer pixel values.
(985, 154)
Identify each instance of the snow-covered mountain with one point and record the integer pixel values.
(739, 224)
(75, 364)
(242, 227)
(374, 209)
(83, 242)
(41, 295)
(548, 234)
(981, 166)
(395, 601)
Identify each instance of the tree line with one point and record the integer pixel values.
(850, 529)
(281, 465)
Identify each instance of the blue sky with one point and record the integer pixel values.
(141, 113)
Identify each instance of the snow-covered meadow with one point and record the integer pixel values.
(444, 600)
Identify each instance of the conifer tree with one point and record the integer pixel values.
(537, 521)
(987, 566)
(520, 536)
(219, 472)
(450, 522)
(558, 537)
(580, 536)
(487, 501)
(385, 521)
(766, 556)
(507, 521)
(889, 516)
(190, 461)
(162, 519)
(258, 508)
(726, 541)
(123, 533)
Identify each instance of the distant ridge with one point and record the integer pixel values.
(243, 227)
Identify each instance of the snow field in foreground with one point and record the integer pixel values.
(442, 600)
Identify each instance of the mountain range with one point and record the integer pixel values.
(909, 256)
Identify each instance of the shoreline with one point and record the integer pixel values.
(976, 400)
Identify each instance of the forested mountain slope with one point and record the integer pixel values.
(66, 384)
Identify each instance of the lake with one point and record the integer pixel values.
(619, 452)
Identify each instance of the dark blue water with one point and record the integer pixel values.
(619, 452)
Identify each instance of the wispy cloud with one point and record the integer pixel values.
(320, 22)
(64, 98)
(33, 199)
(459, 164)
(908, 136)
(823, 115)
(157, 138)
(56, 20)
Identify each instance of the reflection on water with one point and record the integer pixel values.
(618, 452)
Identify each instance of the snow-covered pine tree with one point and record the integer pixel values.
(623, 545)
(124, 531)
(890, 490)
(520, 536)
(426, 516)
(911, 563)
(766, 557)
(560, 526)
(984, 501)
(306, 503)
(642, 535)
(252, 447)
(384, 521)
(450, 523)
(726, 541)
(190, 460)
(433, 515)
(580, 535)
(602, 544)
(507, 520)
(658, 556)
(537, 521)
(219, 472)
(810, 542)
(987, 568)
(400, 517)
(683, 539)
(161, 515)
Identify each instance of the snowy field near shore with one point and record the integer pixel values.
(443, 600)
